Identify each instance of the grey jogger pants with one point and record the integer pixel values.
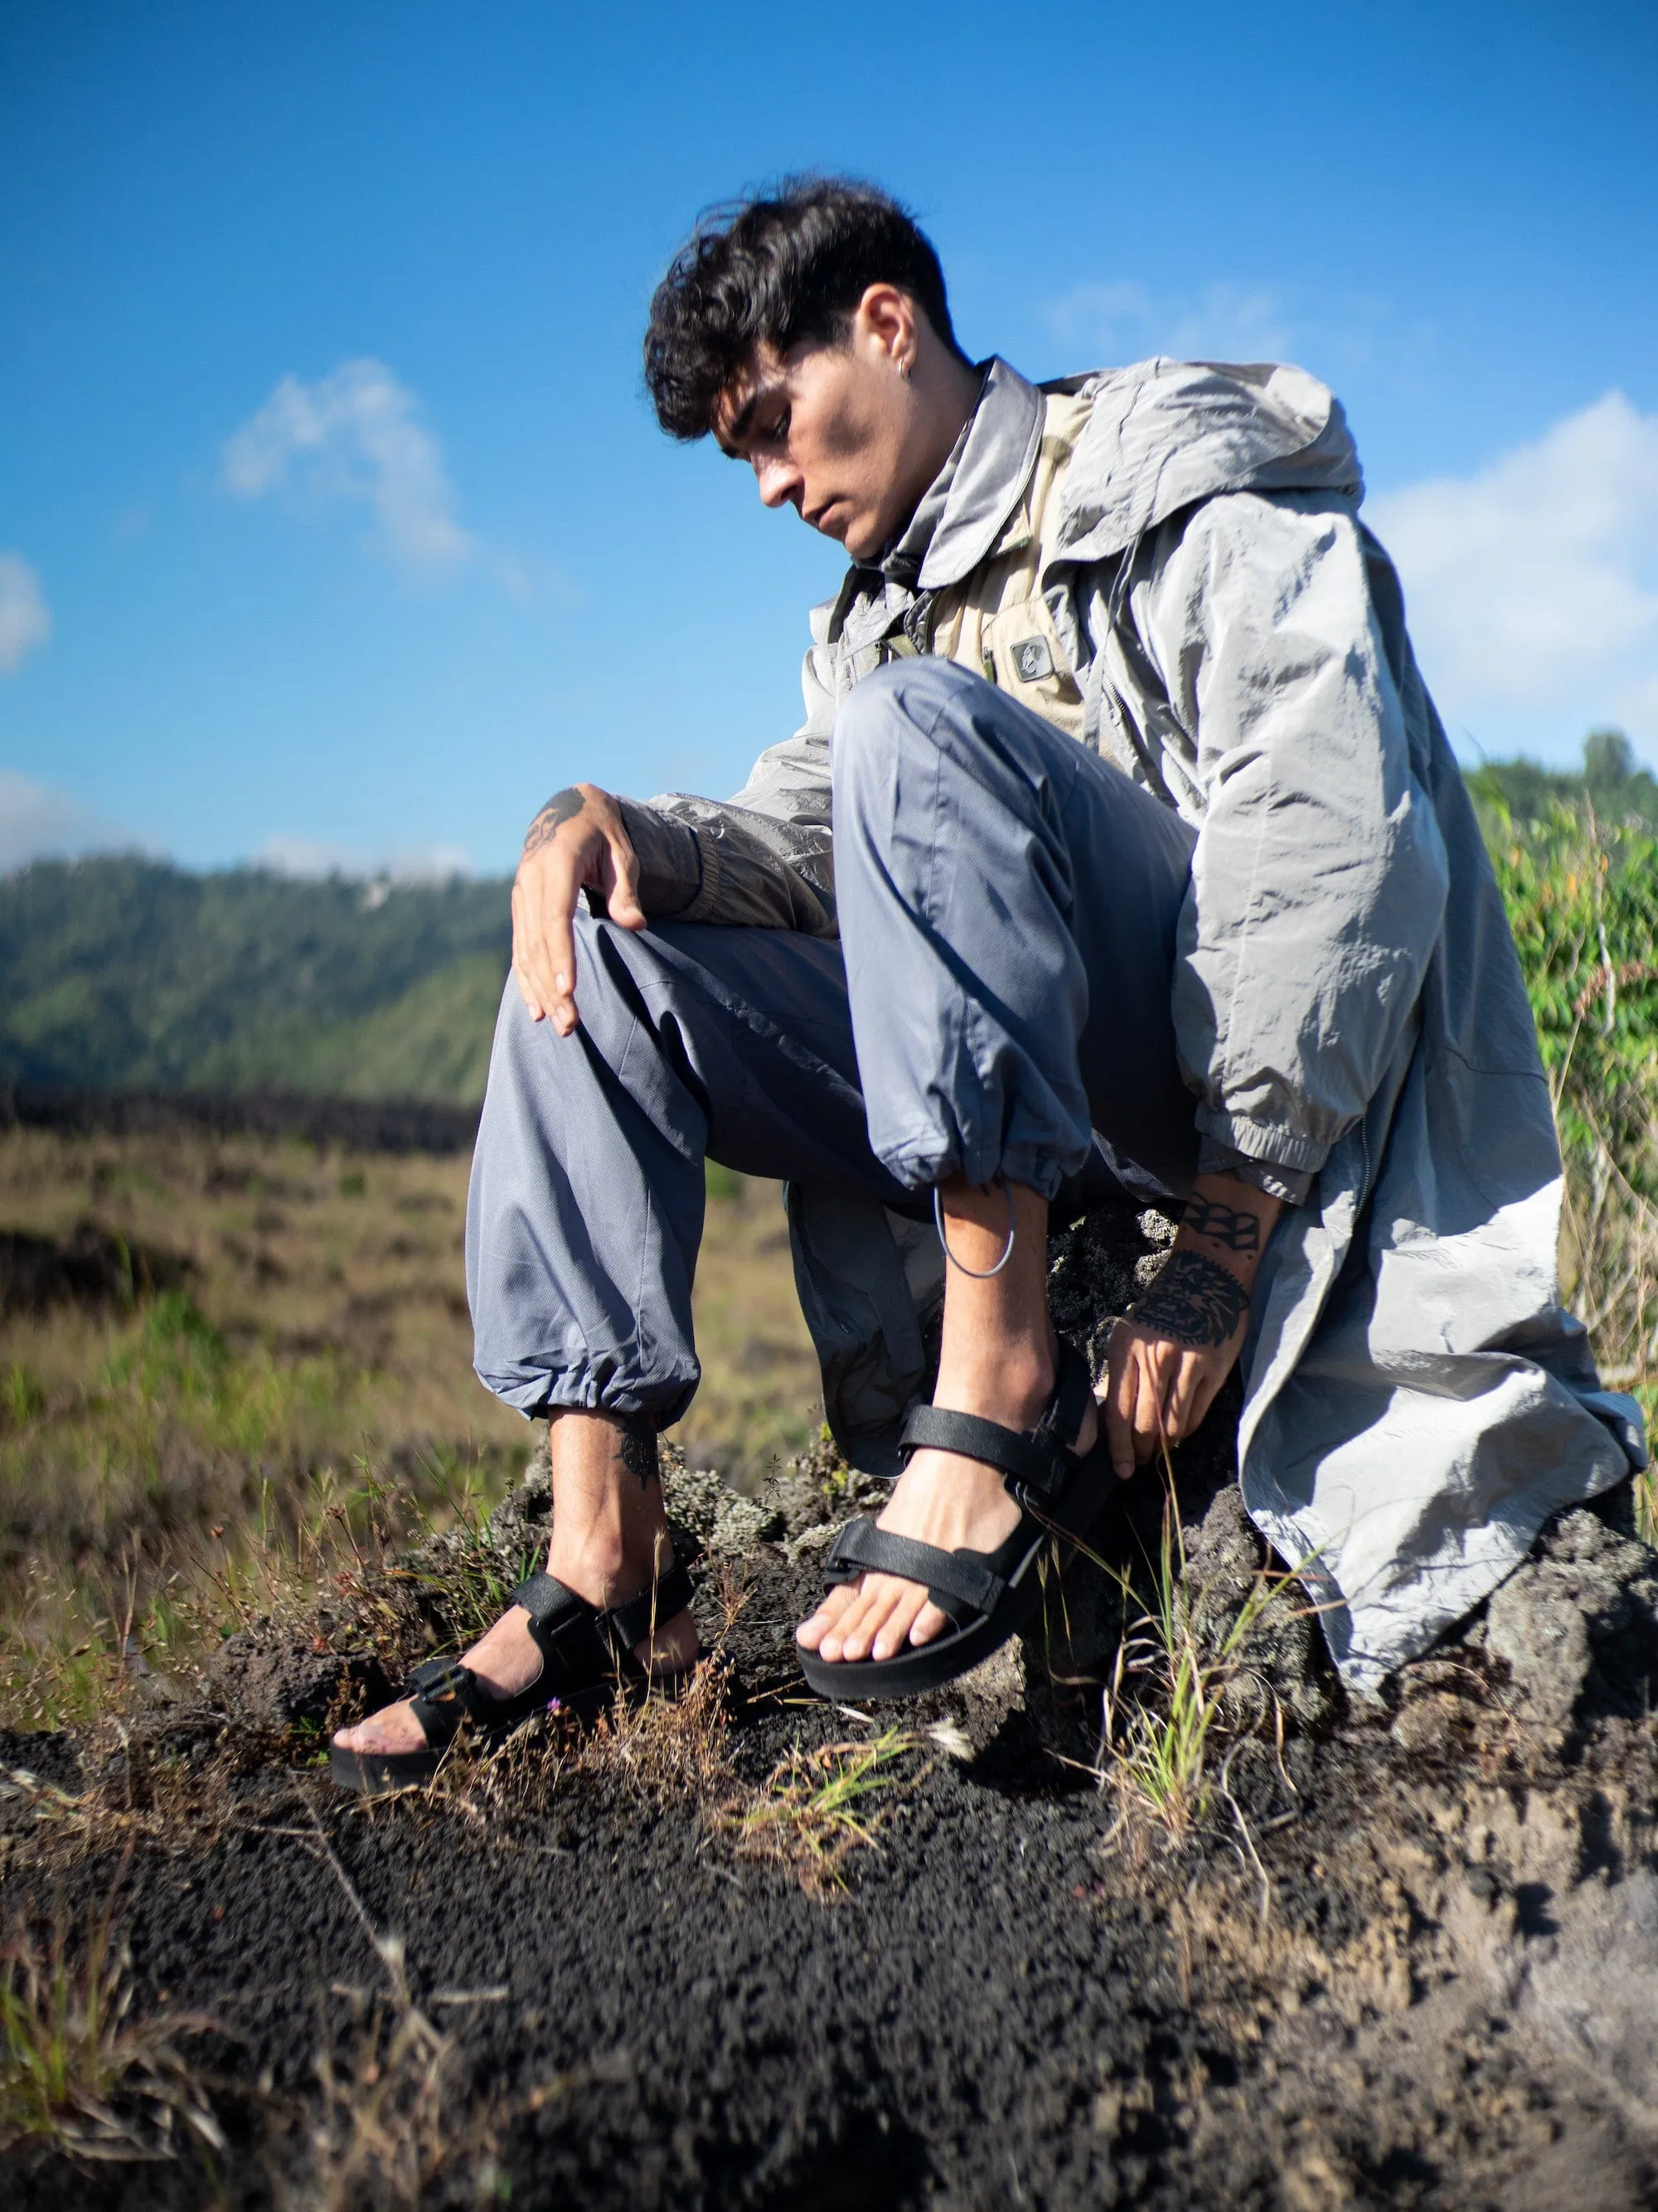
(1008, 907)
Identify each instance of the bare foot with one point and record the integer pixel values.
(941, 1499)
(507, 1658)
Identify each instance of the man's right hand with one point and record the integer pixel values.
(576, 840)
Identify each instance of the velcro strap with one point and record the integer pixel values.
(957, 1581)
(440, 1681)
(543, 1597)
(442, 1694)
(1038, 1462)
(632, 1623)
(1073, 1393)
(1040, 1458)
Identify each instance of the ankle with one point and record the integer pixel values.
(607, 1562)
(1012, 1387)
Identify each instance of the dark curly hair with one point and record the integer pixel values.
(784, 269)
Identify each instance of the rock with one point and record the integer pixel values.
(262, 1676)
(727, 1524)
(92, 1268)
(1437, 1722)
(1254, 1620)
(523, 1520)
(30, 1757)
(36, 1766)
(1576, 1626)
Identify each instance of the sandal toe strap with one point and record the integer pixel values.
(960, 1583)
(442, 1694)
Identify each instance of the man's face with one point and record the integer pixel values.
(835, 431)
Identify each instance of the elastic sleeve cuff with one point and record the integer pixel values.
(669, 860)
(1289, 1185)
(1277, 1146)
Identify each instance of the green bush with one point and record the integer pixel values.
(1582, 896)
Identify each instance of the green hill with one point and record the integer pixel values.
(124, 974)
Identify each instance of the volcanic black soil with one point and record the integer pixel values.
(1405, 1954)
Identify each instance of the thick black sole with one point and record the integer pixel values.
(923, 1666)
(373, 1774)
(377, 1774)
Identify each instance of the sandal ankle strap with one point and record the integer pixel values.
(555, 1612)
(1039, 1460)
(630, 1624)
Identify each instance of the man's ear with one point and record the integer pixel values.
(884, 320)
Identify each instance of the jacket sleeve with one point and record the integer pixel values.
(1319, 879)
(762, 859)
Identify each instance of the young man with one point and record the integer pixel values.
(1121, 838)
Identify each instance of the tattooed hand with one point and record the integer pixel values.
(1193, 1301)
(576, 842)
(563, 806)
(1177, 1344)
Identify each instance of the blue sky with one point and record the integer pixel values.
(334, 523)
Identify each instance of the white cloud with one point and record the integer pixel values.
(314, 857)
(39, 823)
(25, 621)
(1129, 322)
(355, 436)
(1532, 585)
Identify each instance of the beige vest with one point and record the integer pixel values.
(995, 620)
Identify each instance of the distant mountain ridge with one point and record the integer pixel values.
(125, 973)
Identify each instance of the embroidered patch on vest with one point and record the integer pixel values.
(1032, 661)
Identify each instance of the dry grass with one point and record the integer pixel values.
(817, 1808)
(302, 1401)
(79, 2073)
(813, 1812)
(1167, 1708)
(671, 1746)
(1609, 1253)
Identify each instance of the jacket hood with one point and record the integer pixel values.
(1165, 433)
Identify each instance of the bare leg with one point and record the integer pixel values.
(997, 1360)
(610, 1538)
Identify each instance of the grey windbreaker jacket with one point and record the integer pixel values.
(1217, 621)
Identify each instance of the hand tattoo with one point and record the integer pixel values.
(1195, 1301)
(637, 1452)
(563, 806)
(1239, 1232)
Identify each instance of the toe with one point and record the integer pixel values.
(393, 1729)
(811, 1633)
(846, 1639)
(928, 1623)
(885, 1601)
(897, 1629)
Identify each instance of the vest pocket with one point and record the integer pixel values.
(1021, 645)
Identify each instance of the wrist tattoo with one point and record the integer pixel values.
(637, 1452)
(1194, 1302)
(1239, 1230)
(563, 806)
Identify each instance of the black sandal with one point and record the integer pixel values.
(587, 1651)
(988, 1595)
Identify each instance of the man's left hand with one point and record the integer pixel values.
(1170, 1354)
